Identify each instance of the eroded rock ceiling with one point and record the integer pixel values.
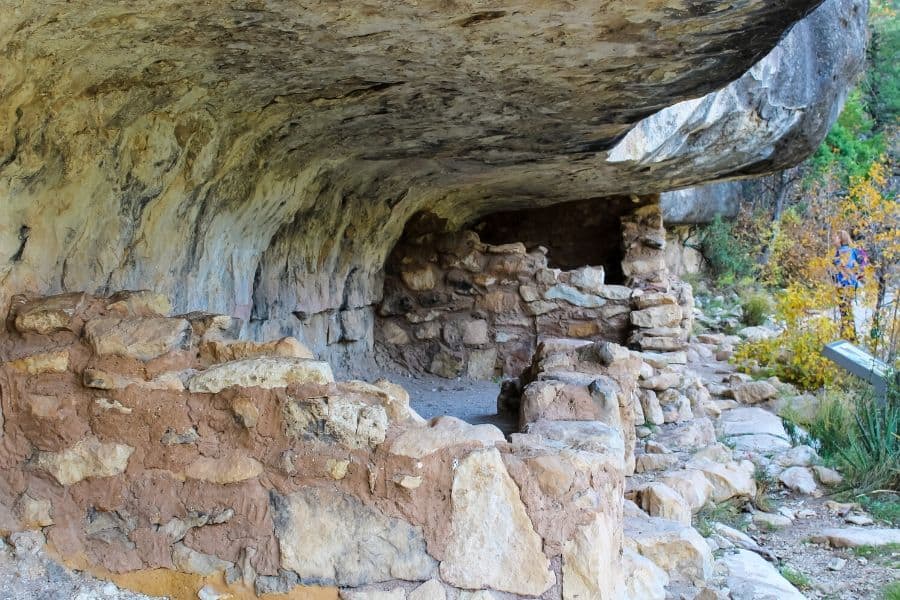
(260, 158)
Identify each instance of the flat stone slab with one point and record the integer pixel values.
(750, 421)
(761, 443)
(853, 537)
(750, 577)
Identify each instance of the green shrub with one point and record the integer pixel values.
(892, 591)
(796, 578)
(870, 459)
(757, 307)
(728, 258)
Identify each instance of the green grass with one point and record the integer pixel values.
(887, 510)
(796, 578)
(728, 513)
(764, 483)
(871, 552)
(892, 591)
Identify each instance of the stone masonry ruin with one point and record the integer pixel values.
(225, 228)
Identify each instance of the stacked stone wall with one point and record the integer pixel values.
(456, 306)
(140, 442)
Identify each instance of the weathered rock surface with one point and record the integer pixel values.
(266, 373)
(88, 458)
(271, 184)
(492, 542)
(853, 537)
(750, 577)
(333, 538)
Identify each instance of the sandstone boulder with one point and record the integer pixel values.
(666, 315)
(492, 543)
(219, 351)
(333, 538)
(88, 458)
(343, 418)
(854, 537)
(750, 577)
(729, 480)
(754, 392)
(675, 548)
(592, 561)
(266, 373)
(442, 432)
(798, 479)
(659, 500)
(44, 362)
(643, 579)
(140, 338)
(46, 315)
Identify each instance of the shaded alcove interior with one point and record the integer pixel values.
(565, 236)
(575, 234)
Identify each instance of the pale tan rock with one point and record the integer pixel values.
(46, 315)
(481, 364)
(659, 500)
(643, 579)
(675, 548)
(342, 418)
(592, 561)
(266, 373)
(666, 315)
(492, 542)
(663, 381)
(645, 463)
(442, 432)
(140, 338)
(220, 351)
(854, 537)
(799, 479)
(421, 278)
(35, 513)
(391, 396)
(648, 299)
(430, 590)
(770, 521)
(45, 362)
(332, 537)
(589, 279)
(189, 560)
(653, 413)
(395, 594)
(104, 380)
(88, 458)
(692, 485)
(337, 469)
(139, 303)
(827, 476)
(245, 411)
(729, 480)
(396, 335)
(754, 392)
(409, 482)
(749, 576)
(230, 468)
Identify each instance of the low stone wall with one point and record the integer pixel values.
(455, 306)
(137, 441)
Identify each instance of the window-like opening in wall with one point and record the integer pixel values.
(584, 232)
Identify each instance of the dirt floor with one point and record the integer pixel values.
(472, 401)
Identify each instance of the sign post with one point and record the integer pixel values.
(859, 363)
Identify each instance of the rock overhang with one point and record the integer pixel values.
(261, 159)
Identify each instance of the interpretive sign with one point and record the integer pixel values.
(859, 363)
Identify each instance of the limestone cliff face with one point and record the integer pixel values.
(261, 158)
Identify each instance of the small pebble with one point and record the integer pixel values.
(836, 564)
